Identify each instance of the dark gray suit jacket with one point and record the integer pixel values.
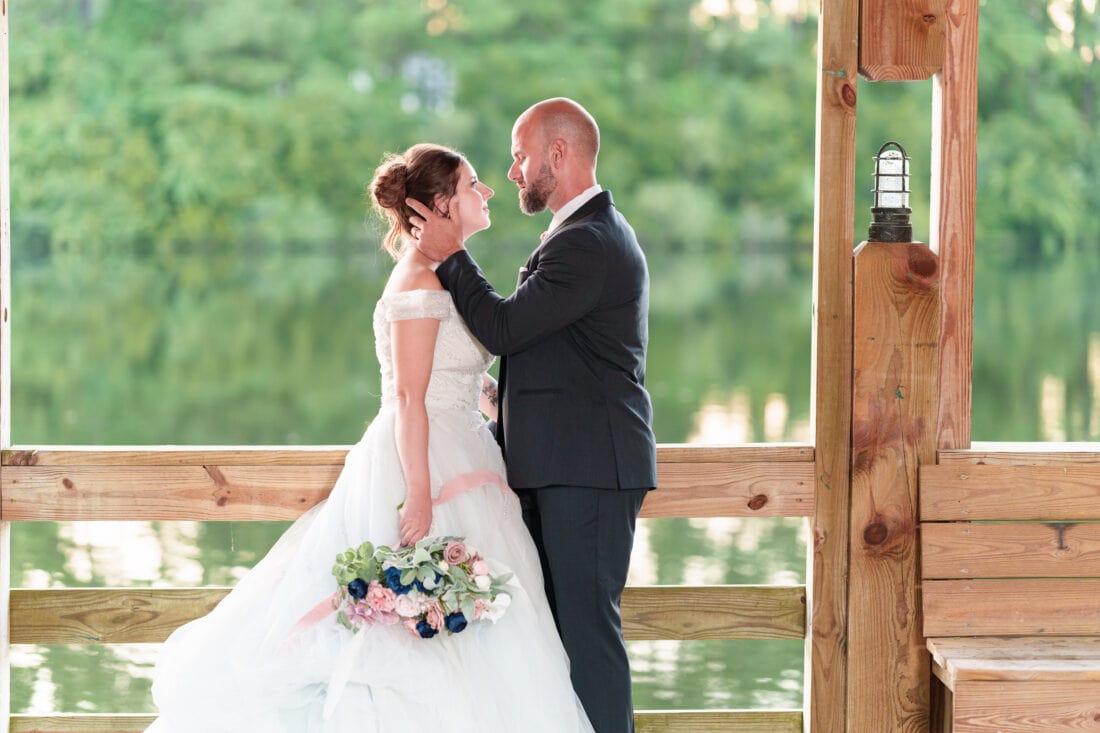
(574, 410)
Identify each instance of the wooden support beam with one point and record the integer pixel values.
(895, 335)
(954, 193)
(284, 492)
(901, 40)
(826, 676)
(149, 615)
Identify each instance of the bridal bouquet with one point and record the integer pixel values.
(440, 584)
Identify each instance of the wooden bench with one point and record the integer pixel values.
(1010, 567)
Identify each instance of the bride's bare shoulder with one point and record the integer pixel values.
(411, 277)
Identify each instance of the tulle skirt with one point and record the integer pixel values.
(241, 667)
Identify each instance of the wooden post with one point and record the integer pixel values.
(826, 676)
(901, 40)
(5, 362)
(895, 360)
(954, 192)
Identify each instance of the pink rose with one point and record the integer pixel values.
(455, 552)
(480, 567)
(480, 607)
(406, 607)
(389, 618)
(410, 624)
(359, 613)
(379, 597)
(435, 617)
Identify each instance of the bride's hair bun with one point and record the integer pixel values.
(388, 188)
(422, 172)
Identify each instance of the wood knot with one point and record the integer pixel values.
(848, 94)
(67, 483)
(929, 18)
(757, 502)
(223, 500)
(21, 458)
(922, 262)
(875, 534)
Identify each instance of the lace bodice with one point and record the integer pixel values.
(459, 359)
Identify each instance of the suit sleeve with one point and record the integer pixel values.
(564, 287)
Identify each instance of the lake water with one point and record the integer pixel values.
(728, 363)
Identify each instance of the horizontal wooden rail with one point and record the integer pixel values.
(655, 721)
(320, 455)
(1022, 454)
(1011, 607)
(1010, 549)
(1042, 493)
(149, 615)
(282, 484)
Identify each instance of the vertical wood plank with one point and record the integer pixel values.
(901, 40)
(5, 359)
(940, 708)
(953, 201)
(834, 201)
(895, 335)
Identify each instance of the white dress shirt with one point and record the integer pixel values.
(571, 208)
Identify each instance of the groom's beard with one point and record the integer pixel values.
(533, 196)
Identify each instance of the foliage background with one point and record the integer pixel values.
(194, 263)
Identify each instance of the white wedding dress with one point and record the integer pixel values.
(240, 668)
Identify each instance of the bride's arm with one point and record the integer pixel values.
(413, 348)
(489, 402)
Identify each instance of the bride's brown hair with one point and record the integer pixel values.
(422, 172)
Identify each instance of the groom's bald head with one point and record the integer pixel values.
(563, 119)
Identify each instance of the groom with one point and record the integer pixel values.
(575, 419)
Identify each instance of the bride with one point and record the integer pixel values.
(248, 665)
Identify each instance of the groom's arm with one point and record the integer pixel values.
(564, 287)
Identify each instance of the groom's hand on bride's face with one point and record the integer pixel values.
(436, 236)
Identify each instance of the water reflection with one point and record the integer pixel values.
(716, 375)
(185, 554)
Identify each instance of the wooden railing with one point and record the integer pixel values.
(1010, 553)
(245, 484)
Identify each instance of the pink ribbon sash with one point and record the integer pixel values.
(456, 486)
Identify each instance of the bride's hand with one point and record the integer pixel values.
(416, 520)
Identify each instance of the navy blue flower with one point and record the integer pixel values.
(357, 588)
(456, 622)
(425, 630)
(393, 581)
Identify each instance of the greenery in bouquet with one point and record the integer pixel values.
(440, 584)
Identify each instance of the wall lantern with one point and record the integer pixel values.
(890, 214)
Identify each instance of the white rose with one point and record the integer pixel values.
(482, 582)
(496, 609)
(406, 607)
(443, 566)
